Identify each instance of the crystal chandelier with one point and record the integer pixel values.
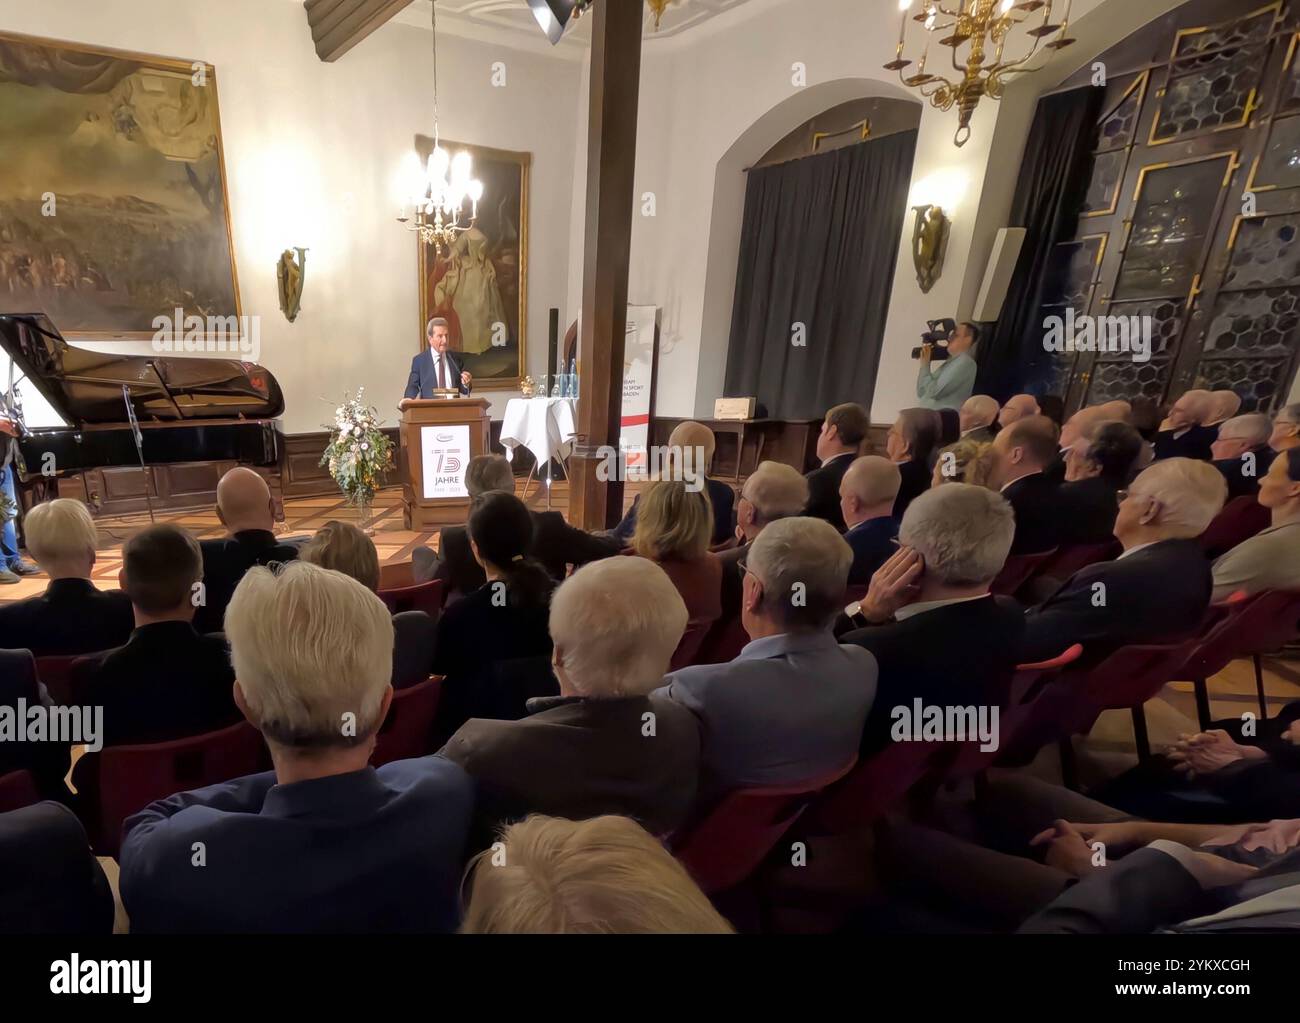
(982, 26)
(437, 191)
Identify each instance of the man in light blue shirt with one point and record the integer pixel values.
(792, 705)
(954, 380)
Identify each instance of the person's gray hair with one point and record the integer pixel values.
(962, 532)
(1290, 412)
(776, 490)
(1190, 492)
(872, 480)
(488, 473)
(435, 321)
(1254, 428)
(803, 564)
(615, 624)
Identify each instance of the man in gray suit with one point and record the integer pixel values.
(792, 706)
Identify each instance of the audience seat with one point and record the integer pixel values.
(18, 789)
(122, 780)
(55, 671)
(727, 846)
(1239, 520)
(725, 639)
(406, 732)
(427, 597)
(1215, 649)
(877, 785)
(1018, 570)
(689, 646)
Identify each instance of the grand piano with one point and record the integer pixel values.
(197, 418)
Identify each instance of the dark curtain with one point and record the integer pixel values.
(818, 248)
(1052, 185)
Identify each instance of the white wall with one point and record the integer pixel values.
(700, 94)
(311, 153)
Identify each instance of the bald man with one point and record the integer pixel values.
(867, 494)
(1224, 405)
(977, 415)
(247, 510)
(1017, 407)
(1184, 433)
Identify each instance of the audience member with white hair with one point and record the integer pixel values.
(607, 875)
(1158, 588)
(773, 491)
(1185, 432)
(867, 495)
(1269, 560)
(976, 417)
(601, 746)
(247, 510)
(324, 843)
(790, 707)
(937, 633)
(1286, 429)
(1241, 452)
(1017, 407)
(71, 616)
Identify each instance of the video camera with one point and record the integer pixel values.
(937, 335)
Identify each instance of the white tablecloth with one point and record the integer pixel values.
(545, 426)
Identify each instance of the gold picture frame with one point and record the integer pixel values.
(90, 281)
(486, 271)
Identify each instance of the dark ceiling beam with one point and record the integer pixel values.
(338, 25)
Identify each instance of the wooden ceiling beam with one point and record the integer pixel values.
(338, 25)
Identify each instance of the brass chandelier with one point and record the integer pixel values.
(982, 27)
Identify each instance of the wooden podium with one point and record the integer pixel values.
(439, 437)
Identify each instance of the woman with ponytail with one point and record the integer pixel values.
(505, 620)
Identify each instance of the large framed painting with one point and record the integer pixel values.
(113, 205)
(480, 284)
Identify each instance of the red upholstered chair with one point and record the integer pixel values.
(17, 789)
(1219, 644)
(725, 639)
(877, 785)
(1239, 520)
(126, 779)
(406, 732)
(1018, 570)
(56, 673)
(725, 848)
(688, 648)
(426, 597)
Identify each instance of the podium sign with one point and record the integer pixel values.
(439, 437)
(445, 451)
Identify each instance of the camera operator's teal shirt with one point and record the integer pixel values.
(949, 386)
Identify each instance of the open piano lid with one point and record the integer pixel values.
(85, 387)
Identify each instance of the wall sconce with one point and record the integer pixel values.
(290, 276)
(929, 244)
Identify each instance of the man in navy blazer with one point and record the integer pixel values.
(436, 367)
(325, 843)
(867, 494)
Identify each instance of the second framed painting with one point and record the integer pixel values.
(480, 284)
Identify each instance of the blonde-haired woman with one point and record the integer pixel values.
(673, 528)
(344, 548)
(605, 875)
(967, 461)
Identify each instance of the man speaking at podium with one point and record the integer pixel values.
(436, 367)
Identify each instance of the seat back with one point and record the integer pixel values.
(689, 645)
(1238, 520)
(1221, 640)
(876, 785)
(725, 639)
(407, 731)
(1269, 620)
(129, 778)
(18, 789)
(1126, 679)
(426, 597)
(1018, 570)
(56, 672)
(1069, 560)
(728, 845)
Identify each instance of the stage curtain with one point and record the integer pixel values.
(817, 253)
(1052, 185)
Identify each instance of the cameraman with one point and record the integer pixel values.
(952, 383)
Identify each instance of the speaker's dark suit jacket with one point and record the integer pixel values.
(579, 758)
(1234, 471)
(224, 563)
(824, 489)
(377, 851)
(1087, 510)
(424, 375)
(955, 655)
(873, 544)
(1157, 593)
(70, 617)
(1193, 443)
(167, 682)
(48, 761)
(50, 882)
(1038, 516)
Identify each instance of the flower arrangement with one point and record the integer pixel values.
(359, 452)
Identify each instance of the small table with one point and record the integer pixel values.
(545, 426)
(740, 428)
